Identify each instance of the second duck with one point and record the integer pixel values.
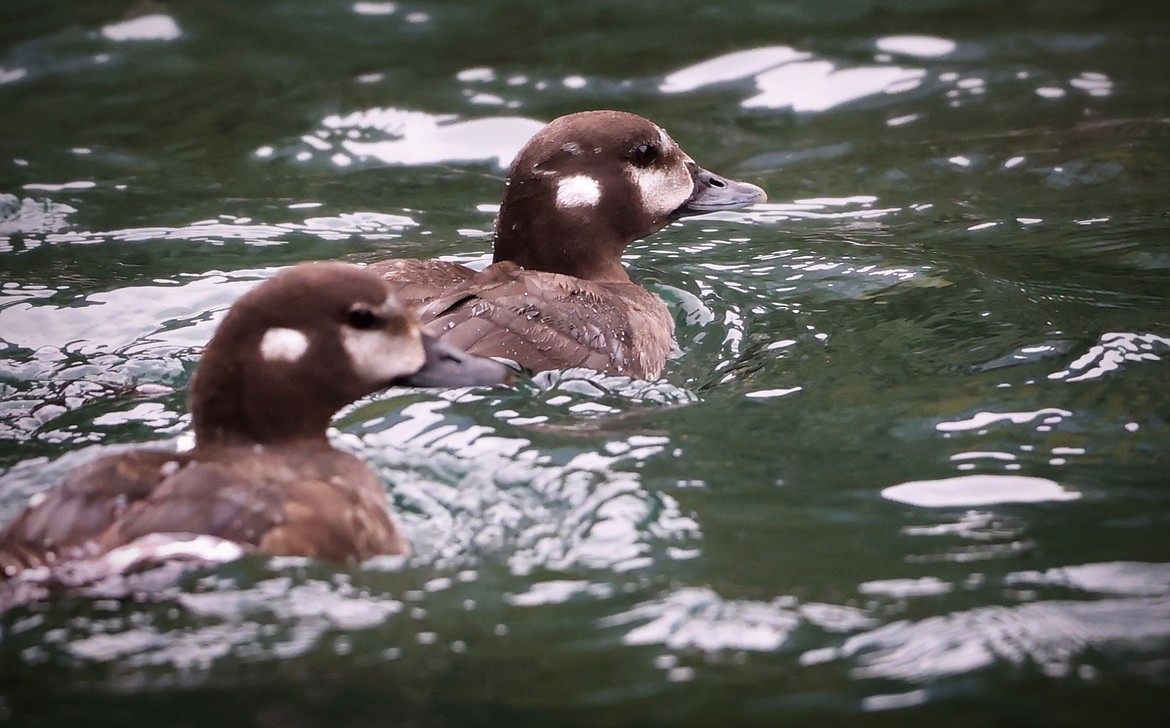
(556, 294)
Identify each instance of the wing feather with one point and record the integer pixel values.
(313, 502)
(319, 503)
(541, 320)
(69, 518)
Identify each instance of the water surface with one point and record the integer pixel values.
(908, 464)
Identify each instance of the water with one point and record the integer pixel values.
(909, 464)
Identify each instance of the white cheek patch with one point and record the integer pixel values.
(281, 344)
(377, 356)
(578, 191)
(663, 190)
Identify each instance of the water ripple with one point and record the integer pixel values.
(467, 491)
(1055, 636)
(69, 350)
(29, 217)
(697, 617)
(803, 81)
(1112, 351)
(225, 229)
(222, 618)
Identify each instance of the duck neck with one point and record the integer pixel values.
(232, 406)
(561, 242)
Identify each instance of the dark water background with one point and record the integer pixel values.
(909, 466)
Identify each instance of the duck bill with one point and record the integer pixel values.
(449, 366)
(713, 193)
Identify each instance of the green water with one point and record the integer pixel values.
(909, 465)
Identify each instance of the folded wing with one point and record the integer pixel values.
(539, 320)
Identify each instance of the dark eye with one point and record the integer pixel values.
(363, 317)
(644, 155)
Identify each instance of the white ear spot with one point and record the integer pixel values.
(281, 344)
(578, 191)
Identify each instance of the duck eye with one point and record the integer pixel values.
(363, 318)
(644, 155)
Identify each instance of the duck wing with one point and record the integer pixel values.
(552, 321)
(66, 521)
(418, 282)
(315, 502)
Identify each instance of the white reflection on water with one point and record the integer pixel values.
(67, 352)
(557, 592)
(855, 207)
(984, 536)
(424, 139)
(698, 617)
(151, 414)
(468, 491)
(146, 27)
(588, 383)
(1122, 578)
(923, 46)
(1113, 350)
(978, 490)
(820, 86)
(49, 187)
(179, 314)
(30, 217)
(974, 525)
(400, 136)
(894, 701)
(479, 74)
(1095, 84)
(981, 420)
(982, 455)
(48, 218)
(8, 75)
(236, 620)
(772, 393)
(537, 515)
(374, 8)
(1053, 635)
(370, 225)
(730, 67)
(787, 78)
(904, 588)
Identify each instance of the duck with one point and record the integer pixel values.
(262, 475)
(556, 294)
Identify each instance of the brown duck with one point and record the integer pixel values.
(556, 294)
(262, 475)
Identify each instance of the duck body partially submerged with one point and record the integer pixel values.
(556, 294)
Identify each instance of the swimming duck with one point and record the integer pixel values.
(556, 294)
(262, 475)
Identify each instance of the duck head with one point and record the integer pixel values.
(588, 184)
(307, 342)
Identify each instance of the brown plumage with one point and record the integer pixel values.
(262, 474)
(546, 320)
(556, 294)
